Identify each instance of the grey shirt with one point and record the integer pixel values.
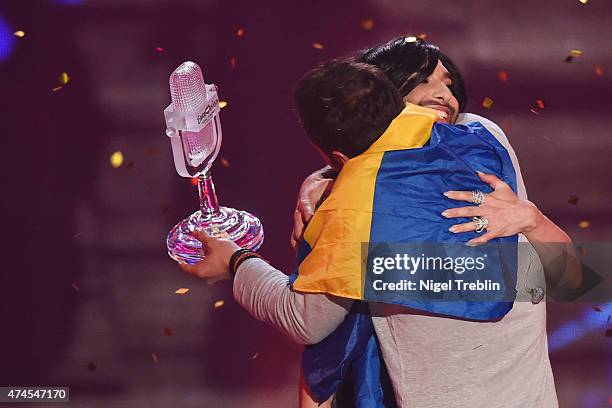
(432, 361)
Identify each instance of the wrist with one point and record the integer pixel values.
(534, 219)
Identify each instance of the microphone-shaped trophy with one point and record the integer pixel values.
(194, 129)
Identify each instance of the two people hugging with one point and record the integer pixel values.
(400, 158)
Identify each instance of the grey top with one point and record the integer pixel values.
(432, 361)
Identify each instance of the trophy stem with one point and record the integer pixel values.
(209, 205)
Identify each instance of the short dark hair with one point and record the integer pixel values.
(409, 61)
(345, 105)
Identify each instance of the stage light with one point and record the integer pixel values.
(7, 40)
(572, 331)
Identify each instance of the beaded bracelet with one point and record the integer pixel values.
(239, 257)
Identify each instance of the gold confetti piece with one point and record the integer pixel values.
(57, 88)
(540, 103)
(219, 303)
(75, 287)
(410, 39)
(584, 1)
(222, 104)
(573, 200)
(194, 181)
(254, 356)
(240, 32)
(584, 224)
(224, 162)
(154, 356)
(502, 76)
(64, 78)
(575, 53)
(233, 62)
(318, 46)
(487, 102)
(598, 71)
(181, 291)
(19, 33)
(116, 159)
(367, 24)
(167, 331)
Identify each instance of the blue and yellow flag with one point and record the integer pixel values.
(392, 195)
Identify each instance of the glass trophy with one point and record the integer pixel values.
(194, 129)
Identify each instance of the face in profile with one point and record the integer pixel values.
(434, 93)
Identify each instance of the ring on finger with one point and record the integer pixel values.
(477, 197)
(481, 224)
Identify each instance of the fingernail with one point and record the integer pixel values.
(470, 244)
(479, 172)
(453, 229)
(445, 213)
(447, 193)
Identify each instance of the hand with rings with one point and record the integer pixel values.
(501, 213)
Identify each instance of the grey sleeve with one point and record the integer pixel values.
(307, 318)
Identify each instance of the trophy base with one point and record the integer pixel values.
(241, 227)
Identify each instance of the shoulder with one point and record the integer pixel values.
(465, 118)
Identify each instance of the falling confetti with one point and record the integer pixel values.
(167, 331)
(540, 103)
(78, 234)
(116, 159)
(477, 347)
(219, 303)
(19, 33)
(535, 112)
(57, 88)
(367, 24)
(92, 366)
(254, 356)
(598, 71)
(487, 102)
(181, 291)
(318, 46)
(410, 39)
(240, 32)
(64, 78)
(154, 356)
(75, 287)
(224, 162)
(597, 308)
(222, 104)
(584, 1)
(573, 200)
(502, 76)
(573, 54)
(159, 49)
(194, 181)
(584, 224)
(233, 62)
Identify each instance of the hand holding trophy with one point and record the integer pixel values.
(194, 129)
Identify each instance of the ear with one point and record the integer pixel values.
(338, 159)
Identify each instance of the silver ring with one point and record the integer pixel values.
(481, 224)
(477, 197)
